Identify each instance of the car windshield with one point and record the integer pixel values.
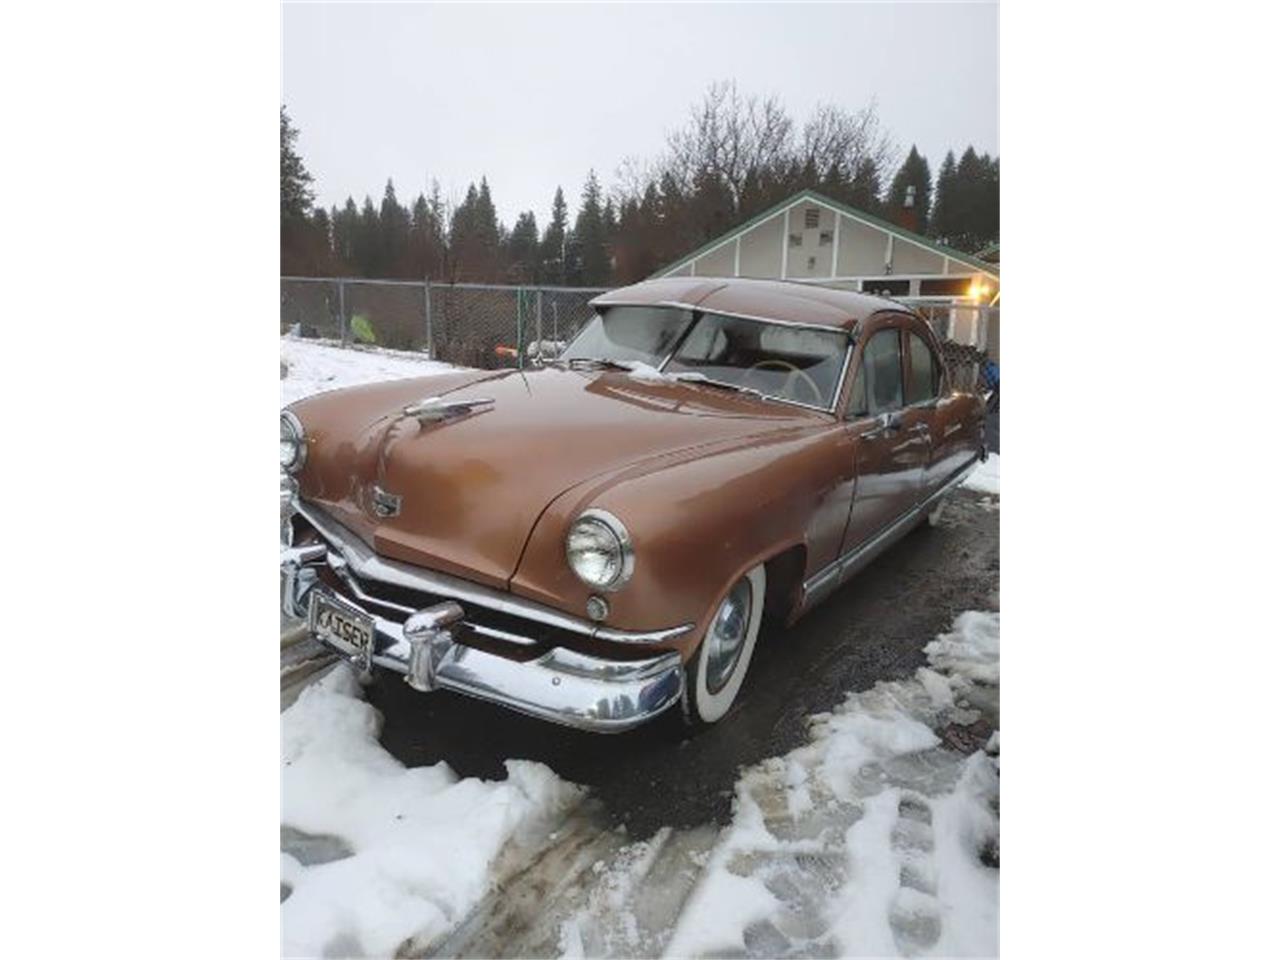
(622, 334)
(801, 364)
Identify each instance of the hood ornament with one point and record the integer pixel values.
(438, 408)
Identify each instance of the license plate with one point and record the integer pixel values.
(341, 625)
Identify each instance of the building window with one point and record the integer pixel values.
(887, 288)
(813, 262)
(794, 239)
(811, 218)
(824, 238)
(945, 287)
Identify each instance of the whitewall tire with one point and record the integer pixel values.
(715, 673)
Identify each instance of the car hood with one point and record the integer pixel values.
(471, 488)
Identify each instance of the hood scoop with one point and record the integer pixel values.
(434, 409)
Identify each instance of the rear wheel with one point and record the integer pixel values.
(715, 672)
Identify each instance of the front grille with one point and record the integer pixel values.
(537, 636)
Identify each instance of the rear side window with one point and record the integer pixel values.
(923, 384)
(877, 387)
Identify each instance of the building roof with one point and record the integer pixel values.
(785, 300)
(991, 269)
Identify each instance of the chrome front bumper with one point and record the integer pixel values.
(559, 684)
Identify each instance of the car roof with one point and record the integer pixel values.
(783, 300)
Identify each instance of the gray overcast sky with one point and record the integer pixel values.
(534, 95)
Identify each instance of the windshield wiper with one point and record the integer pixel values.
(574, 362)
(692, 377)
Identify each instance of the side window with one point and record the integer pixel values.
(877, 387)
(923, 384)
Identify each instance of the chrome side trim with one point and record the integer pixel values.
(842, 568)
(369, 566)
(682, 305)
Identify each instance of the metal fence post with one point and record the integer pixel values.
(343, 327)
(538, 322)
(431, 346)
(519, 328)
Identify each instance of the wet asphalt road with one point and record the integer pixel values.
(873, 629)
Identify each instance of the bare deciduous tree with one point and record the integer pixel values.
(838, 139)
(729, 137)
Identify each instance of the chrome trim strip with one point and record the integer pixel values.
(682, 305)
(369, 566)
(562, 686)
(339, 567)
(841, 568)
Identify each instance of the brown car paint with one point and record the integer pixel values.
(709, 483)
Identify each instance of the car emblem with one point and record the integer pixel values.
(385, 504)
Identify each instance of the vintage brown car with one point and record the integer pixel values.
(595, 540)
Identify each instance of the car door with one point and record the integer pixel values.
(888, 459)
(921, 417)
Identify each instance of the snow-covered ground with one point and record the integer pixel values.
(313, 366)
(877, 838)
(985, 479)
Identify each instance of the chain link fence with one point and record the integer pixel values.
(469, 324)
(970, 336)
(488, 326)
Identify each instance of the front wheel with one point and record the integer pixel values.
(715, 672)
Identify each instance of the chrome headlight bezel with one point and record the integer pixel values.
(612, 533)
(291, 432)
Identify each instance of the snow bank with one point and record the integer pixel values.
(314, 366)
(873, 839)
(425, 843)
(986, 478)
(868, 841)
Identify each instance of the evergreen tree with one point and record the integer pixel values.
(908, 200)
(589, 265)
(942, 222)
(304, 241)
(296, 195)
(393, 230)
(522, 249)
(488, 235)
(346, 229)
(864, 191)
(425, 254)
(462, 237)
(969, 202)
(368, 259)
(554, 241)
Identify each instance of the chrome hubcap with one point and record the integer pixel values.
(726, 636)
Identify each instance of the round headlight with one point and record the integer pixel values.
(293, 445)
(599, 550)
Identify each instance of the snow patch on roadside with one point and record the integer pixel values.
(874, 838)
(986, 478)
(314, 366)
(425, 843)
